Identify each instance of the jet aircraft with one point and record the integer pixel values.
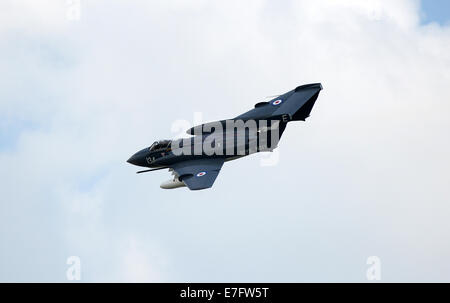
(196, 161)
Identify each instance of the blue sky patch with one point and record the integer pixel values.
(435, 11)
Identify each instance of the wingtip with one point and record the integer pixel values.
(312, 85)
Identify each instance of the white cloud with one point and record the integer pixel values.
(137, 265)
(366, 175)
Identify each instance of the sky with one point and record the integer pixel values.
(435, 11)
(83, 88)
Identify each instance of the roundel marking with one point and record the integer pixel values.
(277, 102)
(201, 174)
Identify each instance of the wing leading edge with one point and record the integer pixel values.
(198, 174)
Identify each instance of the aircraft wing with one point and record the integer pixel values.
(198, 174)
(295, 105)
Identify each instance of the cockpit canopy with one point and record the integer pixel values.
(160, 145)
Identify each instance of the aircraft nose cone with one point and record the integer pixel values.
(132, 160)
(139, 158)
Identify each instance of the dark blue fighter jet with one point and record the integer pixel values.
(196, 161)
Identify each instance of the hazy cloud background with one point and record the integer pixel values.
(367, 174)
